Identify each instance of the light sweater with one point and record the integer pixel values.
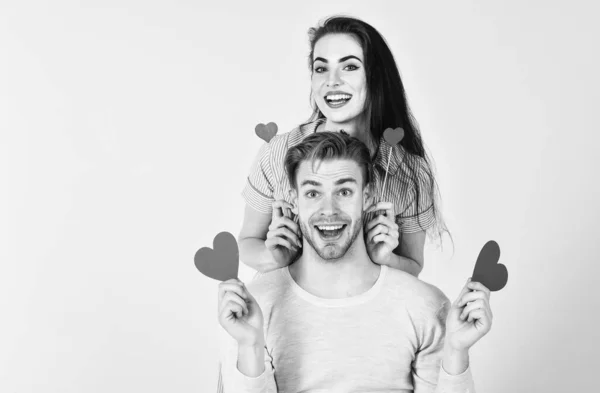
(387, 339)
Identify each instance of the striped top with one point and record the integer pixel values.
(268, 180)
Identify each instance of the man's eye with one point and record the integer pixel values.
(346, 192)
(311, 194)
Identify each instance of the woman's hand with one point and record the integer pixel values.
(382, 233)
(469, 318)
(239, 314)
(283, 238)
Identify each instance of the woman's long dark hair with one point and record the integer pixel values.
(386, 103)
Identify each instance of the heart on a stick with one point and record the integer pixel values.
(266, 132)
(487, 270)
(220, 262)
(393, 135)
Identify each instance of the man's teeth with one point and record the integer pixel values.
(330, 227)
(337, 97)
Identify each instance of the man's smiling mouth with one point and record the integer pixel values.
(330, 232)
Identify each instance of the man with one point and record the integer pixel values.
(334, 321)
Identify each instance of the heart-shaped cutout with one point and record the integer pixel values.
(487, 270)
(393, 135)
(220, 262)
(266, 132)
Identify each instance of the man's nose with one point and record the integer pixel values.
(329, 206)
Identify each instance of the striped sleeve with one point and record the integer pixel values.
(259, 189)
(419, 212)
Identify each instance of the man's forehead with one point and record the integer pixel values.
(329, 170)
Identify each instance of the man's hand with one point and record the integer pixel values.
(382, 233)
(469, 318)
(239, 314)
(283, 239)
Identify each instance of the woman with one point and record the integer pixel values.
(356, 88)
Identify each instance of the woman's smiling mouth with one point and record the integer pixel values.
(337, 99)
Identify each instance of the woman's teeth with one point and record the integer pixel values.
(338, 97)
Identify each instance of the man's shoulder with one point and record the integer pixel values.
(417, 292)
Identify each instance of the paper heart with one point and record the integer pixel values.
(393, 135)
(222, 262)
(487, 270)
(266, 132)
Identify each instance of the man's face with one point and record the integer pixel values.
(330, 201)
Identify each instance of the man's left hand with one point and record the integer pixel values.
(469, 318)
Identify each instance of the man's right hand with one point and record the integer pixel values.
(283, 239)
(239, 314)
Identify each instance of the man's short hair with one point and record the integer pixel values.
(327, 145)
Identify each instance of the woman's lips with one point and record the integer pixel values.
(337, 99)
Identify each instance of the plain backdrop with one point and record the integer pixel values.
(127, 132)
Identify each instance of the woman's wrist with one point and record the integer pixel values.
(266, 260)
(254, 253)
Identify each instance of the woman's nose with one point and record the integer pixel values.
(334, 79)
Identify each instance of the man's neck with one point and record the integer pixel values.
(348, 276)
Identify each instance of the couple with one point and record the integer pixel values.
(334, 321)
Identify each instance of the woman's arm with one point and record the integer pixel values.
(386, 245)
(269, 241)
(251, 240)
(409, 255)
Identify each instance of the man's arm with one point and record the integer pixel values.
(467, 320)
(245, 363)
(251, 360)
(245, 369)
(437, 368)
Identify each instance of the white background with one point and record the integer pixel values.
(127, 131)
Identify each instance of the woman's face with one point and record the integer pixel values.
(339, 83)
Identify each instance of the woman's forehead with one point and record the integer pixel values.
(335, 46)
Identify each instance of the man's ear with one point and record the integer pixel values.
(294, 197)
(368, 196)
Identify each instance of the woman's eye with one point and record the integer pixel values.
(319, 70)
(351, 67)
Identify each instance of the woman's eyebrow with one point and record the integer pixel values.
(343, 59)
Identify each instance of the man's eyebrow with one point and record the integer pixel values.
(346, 180)
(310, 183)
(343, 59)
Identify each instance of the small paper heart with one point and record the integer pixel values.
(393, 135)
(487, 270)
(266, 132)
(222, 262)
